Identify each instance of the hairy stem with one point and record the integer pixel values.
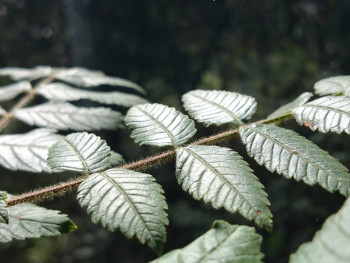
(61, 188)
(28, 98)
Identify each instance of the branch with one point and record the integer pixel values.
(28, 98)
(64, 187)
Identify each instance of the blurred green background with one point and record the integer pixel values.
(271, 50)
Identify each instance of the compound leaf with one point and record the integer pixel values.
(331, 243)
(31, 221)
(27, 74)
(223, 243)
(65, 116)
(27, 152)
(221, 177)
(82, 77)
(11, 91)
(128, 200)
(4, 216)
(159, 125)
(293, 156)
(214, 107)
(62, 92)
(332, 85)
(80, 152)
(288, 108)
(331, 113)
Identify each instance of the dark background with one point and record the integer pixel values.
(271, 50)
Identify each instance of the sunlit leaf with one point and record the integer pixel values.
(288, 108)
(62, 92)
(27, 152)
(82, 77)
(223, 243)
(11, 91)
(293, 156)
(80, 152)
(159, 125)
(332, 85)
(31, 221)
(130, 201)
(27, 74)
(331, 243)
(65, 116)
(331, 113)
(214, 107)
(220, 176)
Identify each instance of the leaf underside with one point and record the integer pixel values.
(331, 243)
(65, 116)
(221, 177)
(214, 107)
(31, 221)
(128, 200)
(80, 152)
(27, 152)
(332, 85)
(293, 156)
(288, 108)
(62, 92)
(331, 113)
(159, 125)
(11, 91)
(223, 243)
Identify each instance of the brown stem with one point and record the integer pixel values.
(61, 188)
(28, 98)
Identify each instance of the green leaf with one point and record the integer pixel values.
(4, 216)
(325, 114)
(116, 159)
(11, 91)
(65, 116)
(223, 243)
(80, 152)
(332, 85)
(288, 108)
(62, 92)
(293, 156)
(128, 200)
(31, 221)
(331, 243)
(220, 176)
(82, 77)
(214, 107)
(27, 152)
(159, 125)
(27, 74)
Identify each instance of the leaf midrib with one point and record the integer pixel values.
(323, 107)
(77, 153)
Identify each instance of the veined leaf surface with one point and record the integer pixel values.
(4, 215)
(82, 77)
(331, 243)
(128, 200)
(288, 108)
(62, 92)
(81, 152)
(221, 177)
(11, 91)
(159, 125)
(65, 116)
(293, 156)
(31, 221)
(332, 85)
(28, 74)
(216, 107)
(223, 243)
(331, 113)
(27, 152)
